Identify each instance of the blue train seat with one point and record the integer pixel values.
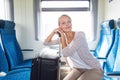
(107, 35)
(117, 61)
(112, 66)
(110, 61)
(106, 39)
(11, 47)
(21, 75)
(17, 74)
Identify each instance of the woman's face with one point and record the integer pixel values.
(65, 23)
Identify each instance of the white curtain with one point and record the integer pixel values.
(6, 10)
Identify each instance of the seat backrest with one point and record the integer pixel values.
(117, 60)
(11, 46)
(112, 63)
(109, 66)
(3, 60)
(106, 40)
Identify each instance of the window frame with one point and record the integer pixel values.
(93, 7)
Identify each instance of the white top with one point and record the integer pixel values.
(77, 53)
(76, 62)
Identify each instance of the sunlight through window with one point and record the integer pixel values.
(78, 10)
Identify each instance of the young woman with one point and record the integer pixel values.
(75, 49)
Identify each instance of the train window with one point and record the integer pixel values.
(6, 9)
(78, 10)
(75, 5)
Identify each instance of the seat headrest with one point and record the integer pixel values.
(9, 25)
(118, 22)
(2, 23)
(108, 24)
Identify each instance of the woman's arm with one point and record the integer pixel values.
(50, 36)
(49, 41)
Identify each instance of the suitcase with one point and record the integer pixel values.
(34, 70)
(46, 68)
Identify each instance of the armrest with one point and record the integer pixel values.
(92, 50)
(114, 74)
(27, 49)
(102, 59)
(28, 53)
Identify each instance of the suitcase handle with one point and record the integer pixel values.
(59, 34)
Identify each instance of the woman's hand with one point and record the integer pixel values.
(58, 30)
(55, 31)
(63, 41)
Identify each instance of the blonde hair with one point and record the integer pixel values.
(63, 16)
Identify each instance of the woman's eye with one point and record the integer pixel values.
(69, 21)
(63, 23)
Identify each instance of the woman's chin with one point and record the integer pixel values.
(67, 30)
